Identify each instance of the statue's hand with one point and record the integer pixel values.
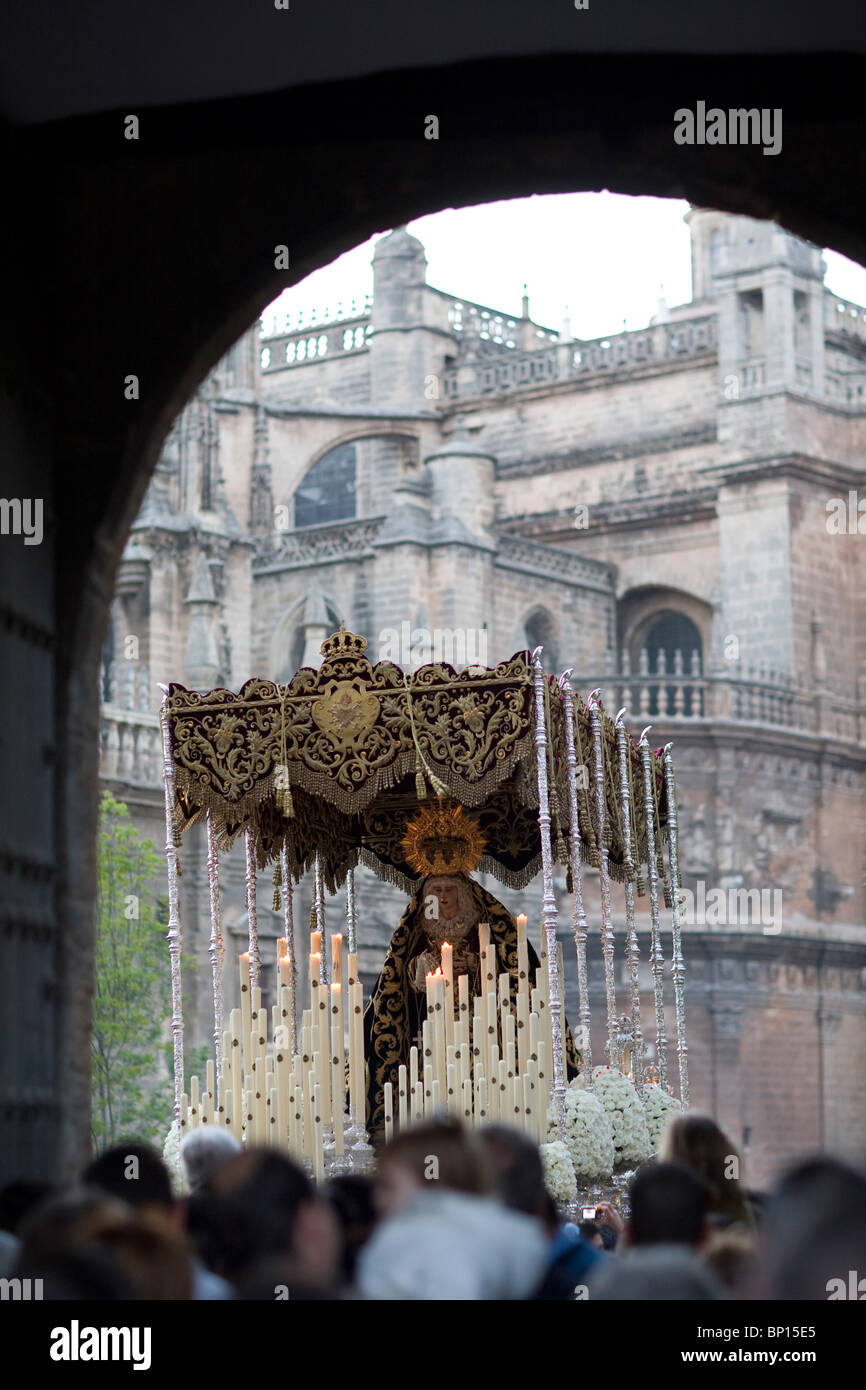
(422, 966)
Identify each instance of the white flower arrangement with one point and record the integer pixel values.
(622, 1104)
(588, 1134)
(559, 1176)
(660, 1105)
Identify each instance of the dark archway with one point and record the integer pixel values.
(133, 267)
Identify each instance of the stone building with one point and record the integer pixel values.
(676, 513)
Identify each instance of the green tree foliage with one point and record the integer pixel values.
(132, 1094)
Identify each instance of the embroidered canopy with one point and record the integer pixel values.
(339, 760)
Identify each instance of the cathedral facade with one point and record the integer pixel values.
(677, 513)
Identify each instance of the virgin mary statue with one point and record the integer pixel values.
(442, 843)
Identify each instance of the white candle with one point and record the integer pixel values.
(358, 1021)
(448, 976)
(337, 958)
(492, 1030)
(493, 1081)
(428, 1092)
(318, 1151)
(439, 1034)
(506, 1108)
(389, 1111)
(463, 998)
(452, 1096)
(437, 1097)
(413, 1068)
(522, 954)
(466, 1090)
(530, 1123)
(354, 1061)
(337, 1066)
(244, 968)
(402, 1097)
(483, 1111)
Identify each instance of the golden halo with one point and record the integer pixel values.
(443, 840)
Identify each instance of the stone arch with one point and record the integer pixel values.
(645, 609)
(540, 630)
(188, 297)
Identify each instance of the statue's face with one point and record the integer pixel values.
(446, 893)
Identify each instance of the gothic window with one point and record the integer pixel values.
(670, 633)
(328, 492)
(540, 632)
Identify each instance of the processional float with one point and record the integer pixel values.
(327, 772)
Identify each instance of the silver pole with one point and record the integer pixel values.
(351, 943)
(632, 948)
(319, 901)
(549, 899)
(578, 915)
(289, 921)
(678, 968)
(173, 935)
(656, 954)
(255, 962)
(607, 936)
(215, 950)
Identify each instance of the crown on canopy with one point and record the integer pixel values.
(443, 839)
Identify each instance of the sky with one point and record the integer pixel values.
(603, 255)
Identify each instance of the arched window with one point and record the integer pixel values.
(672, 632)
(540, 632)
(328, 492)
(673, 647)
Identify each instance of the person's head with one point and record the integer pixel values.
(661, 1272)
(453, 895)
(731, 1256)
(153, 1256)
(698, 1142)
(72, 1220)
(669, 1205)
(203, 1150)
(515, 1171)
(261, 1204)
(133, 1173)
(814, 1231)
(427, 1157)
(92, 1274)
(352, 1197)
(18, 1199)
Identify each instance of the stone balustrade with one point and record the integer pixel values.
(566, 361)
(130, 747)
(844, 318)
(678, 690)
(315, 342)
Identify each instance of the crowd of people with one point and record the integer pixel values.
(447, 1214)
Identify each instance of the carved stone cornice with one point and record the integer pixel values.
(549, 562)
(342, 541)
(662, 443)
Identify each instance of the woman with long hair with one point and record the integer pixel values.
(697, 1141)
